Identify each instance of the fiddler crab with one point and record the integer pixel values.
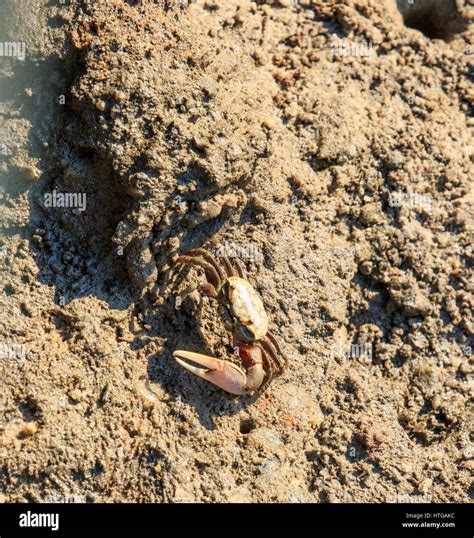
(244, 315)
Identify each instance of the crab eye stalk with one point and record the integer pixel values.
(245, 332)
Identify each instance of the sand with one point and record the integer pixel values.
(329, 145)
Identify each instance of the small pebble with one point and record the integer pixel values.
(32, 173)
(268, 123)
(264, 439)
(269, 466)
(75, 395)
(29, 429)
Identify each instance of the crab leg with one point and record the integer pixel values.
(225, 374)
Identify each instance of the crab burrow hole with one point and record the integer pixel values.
(436, 19)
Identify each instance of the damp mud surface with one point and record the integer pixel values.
(328, 145)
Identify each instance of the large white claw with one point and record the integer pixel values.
(224, 374)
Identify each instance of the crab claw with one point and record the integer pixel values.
(224, 374)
